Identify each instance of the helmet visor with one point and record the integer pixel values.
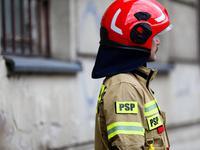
(164, 31)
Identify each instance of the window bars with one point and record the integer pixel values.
(25, 27)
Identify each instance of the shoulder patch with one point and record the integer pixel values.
(126, 107)
(154, 122)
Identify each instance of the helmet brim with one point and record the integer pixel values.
(164, 31)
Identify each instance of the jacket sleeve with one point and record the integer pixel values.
(124, 114)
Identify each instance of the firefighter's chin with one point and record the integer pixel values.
(156, 50)
(152, 58)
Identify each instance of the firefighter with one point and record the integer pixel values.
(127, 115)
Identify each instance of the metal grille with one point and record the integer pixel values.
(25, 27)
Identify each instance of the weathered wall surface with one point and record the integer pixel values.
(56, 112)
(46, 111)
(178, 92)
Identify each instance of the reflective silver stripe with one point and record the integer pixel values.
(127, 128)
(150, 108)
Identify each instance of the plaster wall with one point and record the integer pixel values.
(46, 111)
(56, 112)
(184, 37)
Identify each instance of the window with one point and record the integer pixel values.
(25, 27)
(24, 31)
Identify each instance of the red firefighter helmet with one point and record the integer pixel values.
(127, 30)
(132, 24)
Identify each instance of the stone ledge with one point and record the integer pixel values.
(19, 64)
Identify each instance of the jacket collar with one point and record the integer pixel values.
(145, 74)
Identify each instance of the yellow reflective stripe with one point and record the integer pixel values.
(157, 105)
(99, 99)
(124, 124)
(125, 132)
(151, 112)
(151, 108)
(150, 103)
(125, 128)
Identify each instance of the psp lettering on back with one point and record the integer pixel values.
(126, 107)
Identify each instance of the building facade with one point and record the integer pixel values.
(47, 96)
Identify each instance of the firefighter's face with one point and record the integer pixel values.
(154, 49)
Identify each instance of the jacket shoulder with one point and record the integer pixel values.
(121, 78)
(123, 82)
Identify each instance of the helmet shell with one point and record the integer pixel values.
(134, 22)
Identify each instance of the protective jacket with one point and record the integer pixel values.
(128, 116)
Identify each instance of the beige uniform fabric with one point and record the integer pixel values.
(110, 131)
